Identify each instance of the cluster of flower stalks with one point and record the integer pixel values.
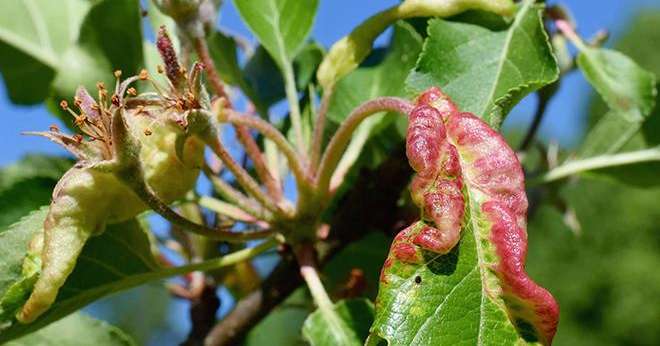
(137, 152)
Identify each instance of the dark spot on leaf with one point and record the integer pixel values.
(526, 330)
(442, 264)
(418, 279)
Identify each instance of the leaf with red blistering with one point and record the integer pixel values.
(457, 275)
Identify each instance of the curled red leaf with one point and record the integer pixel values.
(469, 178)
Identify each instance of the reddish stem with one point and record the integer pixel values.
(242, 133)
(319, 128)
(342, 137)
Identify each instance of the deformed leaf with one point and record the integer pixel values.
(487, 72)
(457, 276)
(13, 246)
(118, 259)
(357, 315)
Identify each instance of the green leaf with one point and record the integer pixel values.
(487, 72)
(28, 184)
(448, 306)
(74, 330)
(347, 53)
(51, 47)
(628, 90)
(624, 139)
(306, 62)
(225, 55)
(33, 166)
(385, 79)
(120, 258)
(34, 36)
(115, 28)
(283, 324)
(264, 84)
(639, 172)
(640, 43)
(280, 25)
(223, 50)
(13, 245)
(356, 314)
(110, 39)
(264, 79)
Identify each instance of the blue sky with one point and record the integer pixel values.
(563, 122)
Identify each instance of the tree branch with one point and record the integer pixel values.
(544, 95)
(202, 315)
(255, 306)
(596, 162)
(372, 204)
